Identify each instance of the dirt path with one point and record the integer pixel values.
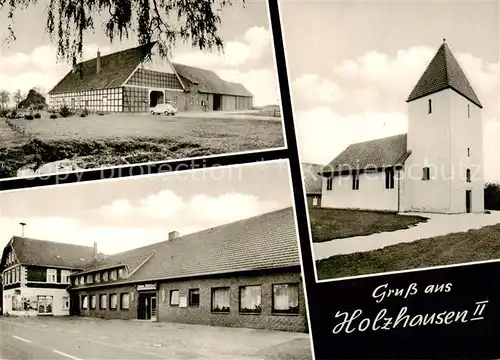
(9, 137)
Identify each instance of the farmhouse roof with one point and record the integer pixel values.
(209, 82)
(312, 179)
(444, 72)
(258, 243)
(49, 253)
(374, 154)
(117, 67)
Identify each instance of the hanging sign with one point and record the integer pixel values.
(146, 287)
(183, 302)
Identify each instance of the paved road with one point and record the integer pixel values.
(21, 341)
(84, 338)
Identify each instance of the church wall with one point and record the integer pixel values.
(372, 194)
(429, 142)
(466, 153)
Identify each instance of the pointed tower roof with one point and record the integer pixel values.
(444, 72)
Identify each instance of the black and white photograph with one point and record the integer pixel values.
(398, 132)
(87, 85)
(199, 264)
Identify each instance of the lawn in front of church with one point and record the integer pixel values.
(456, 248)
(330, 224)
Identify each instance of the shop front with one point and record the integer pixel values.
(147, 302)
(30, 302)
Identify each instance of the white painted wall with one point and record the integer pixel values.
(372, 194)
(429, 142)
(157, 63)
(439, 141)
(466, 132)
(57, 305)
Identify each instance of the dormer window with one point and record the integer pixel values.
(121, 273)
(97, 277)
(90, 279)
(113, 275)
(76, 280)
(82, 280)
(430, 106)
(51, 275)
(105, 276)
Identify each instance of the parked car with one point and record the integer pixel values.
(165, 109)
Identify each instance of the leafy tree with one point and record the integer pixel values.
(17, 97)
(163, 21)
(4, 98)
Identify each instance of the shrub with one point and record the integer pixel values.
(53, 116)
(65, 112)
(492, 196)
(28, 117)
(37, 116)
(4, 112)
(100, 113)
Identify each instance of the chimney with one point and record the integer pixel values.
(173, 235)
(98, 61)
(95, 250)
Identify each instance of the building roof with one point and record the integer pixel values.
(374, 154)
(261, 242)
(312, 180)
(444, 72)
(117, 67)
(209, 82)
(49, 253)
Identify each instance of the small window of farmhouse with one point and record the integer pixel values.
(250, 299)
(174, 297)
(286, 298)
(65, 303)
(430, 106)
(467, 175)
(113, 301)
(51, 275)
(220, 300)
(426, 174)
(124, 301)
(468, 111)
(103, 301)
(85, 303)
(194, 297)
(113, 275)
(355, 181)
(329, 183)
(389, 178)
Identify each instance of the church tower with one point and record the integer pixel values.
(444, 173)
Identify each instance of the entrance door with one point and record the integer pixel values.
(147, 307)
(468, 200)
(153, 308)
(217, 102)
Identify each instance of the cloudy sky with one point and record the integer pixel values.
(353, 64)
(127, 213)
(248, 58)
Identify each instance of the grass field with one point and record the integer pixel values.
(470, 246)
(329, 224)
(117, 139)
